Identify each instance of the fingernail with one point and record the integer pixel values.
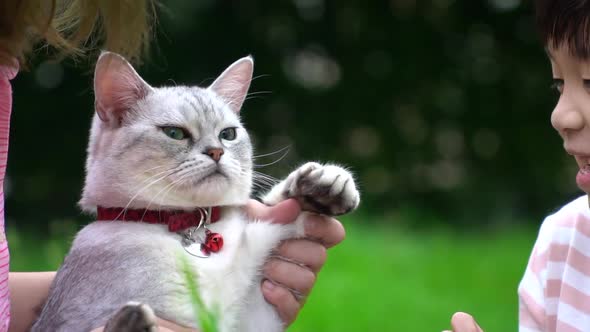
(268, 286)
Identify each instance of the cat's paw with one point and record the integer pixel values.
(133, 317)
(325, 189)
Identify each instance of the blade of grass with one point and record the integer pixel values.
(208, 319)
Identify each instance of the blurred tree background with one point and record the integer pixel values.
(440, 107)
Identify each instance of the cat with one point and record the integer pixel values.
(178, 151)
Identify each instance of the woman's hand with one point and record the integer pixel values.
(291, 273)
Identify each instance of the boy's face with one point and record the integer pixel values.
(571, 116)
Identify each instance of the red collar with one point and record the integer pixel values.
(176, 220)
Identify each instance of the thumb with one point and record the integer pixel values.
(463, 322)
(284, 212)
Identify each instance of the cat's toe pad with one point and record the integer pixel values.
(326, 189)
(133, 317)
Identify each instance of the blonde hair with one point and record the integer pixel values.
(75, 27)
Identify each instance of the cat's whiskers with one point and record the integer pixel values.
(254, 95)
(263, 181)
(236, 94)
(166, 189)
(257, 179)
(286, 151)
(229, 100)
(173, 186)
(287, 147)
(164, 174)
(262, 175)
(157, 174)
(124, 210)
(189, 168)
(153, 168)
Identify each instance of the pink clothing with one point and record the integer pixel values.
(6, 74)
(554, 294)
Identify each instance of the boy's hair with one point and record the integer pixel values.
(75, 27)
(565, 23)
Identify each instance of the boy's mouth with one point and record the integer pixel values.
(583, 176)
(583, 162)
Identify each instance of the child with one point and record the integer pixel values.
(554, 294)
(69, 26)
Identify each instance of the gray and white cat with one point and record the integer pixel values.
(177, 148)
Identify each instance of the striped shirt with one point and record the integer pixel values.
(6, 74)
(554, 294)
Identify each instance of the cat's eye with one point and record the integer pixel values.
(557, 85)
(228, 134)
(175, 133)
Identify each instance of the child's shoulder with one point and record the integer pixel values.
(578, 208)
(571, 220)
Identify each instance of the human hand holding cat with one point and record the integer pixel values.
(292, 272)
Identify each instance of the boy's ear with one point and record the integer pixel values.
(232, 85)
(117, 87)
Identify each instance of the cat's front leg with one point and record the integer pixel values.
(133, 317)
(326, 189)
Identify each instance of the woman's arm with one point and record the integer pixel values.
(28, 292)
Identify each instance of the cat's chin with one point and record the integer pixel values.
(215, 179)
(214, 190)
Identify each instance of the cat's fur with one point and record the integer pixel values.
(133, 164)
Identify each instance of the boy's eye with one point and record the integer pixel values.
(587, 84)
(176, 133)
(557, 85)
(228, 134)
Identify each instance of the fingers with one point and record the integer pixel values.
(326, 230)
(298, 279)
(287, 306)
(291, 274)
(304, 252)
(284, 212)
(463, 322)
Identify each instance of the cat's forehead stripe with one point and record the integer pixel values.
(194, 97)
(192, 101)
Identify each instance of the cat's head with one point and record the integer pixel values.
(169, 147)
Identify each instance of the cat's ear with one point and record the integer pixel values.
(232, 85)
(117, 87)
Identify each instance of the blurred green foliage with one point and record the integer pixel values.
(439, 106)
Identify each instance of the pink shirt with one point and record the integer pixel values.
(554, 294)
(6, 74)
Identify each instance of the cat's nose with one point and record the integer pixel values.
(214, 153)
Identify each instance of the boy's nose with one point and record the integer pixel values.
(567, 116)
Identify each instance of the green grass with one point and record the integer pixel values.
(383, 278)
(208, 318)
(386, 279)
